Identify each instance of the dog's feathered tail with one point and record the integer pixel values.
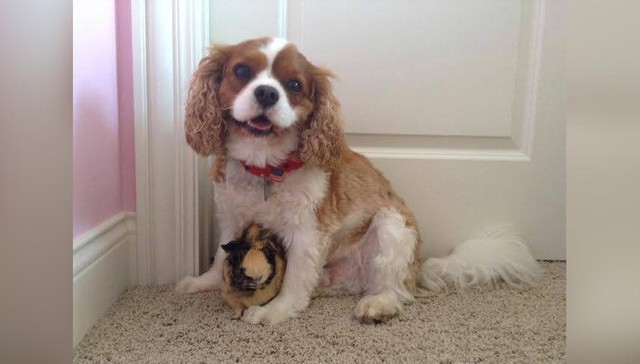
(496, 255)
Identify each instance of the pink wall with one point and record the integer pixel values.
(103, 154)
(125, 104)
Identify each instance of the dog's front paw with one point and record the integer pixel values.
(377, 308)
(265, 315)
(189, 285)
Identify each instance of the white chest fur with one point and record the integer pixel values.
(290, 205)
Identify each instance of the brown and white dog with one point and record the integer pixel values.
(272, 122)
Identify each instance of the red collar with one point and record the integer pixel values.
(277, 173)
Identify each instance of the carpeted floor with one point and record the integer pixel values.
(153, 324)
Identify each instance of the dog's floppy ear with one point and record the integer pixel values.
(204, 127)
(322, 140)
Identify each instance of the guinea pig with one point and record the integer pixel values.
(253, 270)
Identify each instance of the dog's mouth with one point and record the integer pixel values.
(258, 126)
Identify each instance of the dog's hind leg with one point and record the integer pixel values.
(389, 260)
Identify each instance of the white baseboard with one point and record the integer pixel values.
(104, 265)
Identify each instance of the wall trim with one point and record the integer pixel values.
(534, 61)
(283, 14)
(103, 267)
(94, 243)
(190, 37)
(169, 39)
(144, 184)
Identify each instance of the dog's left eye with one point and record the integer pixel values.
(242, 71)
(294, 86)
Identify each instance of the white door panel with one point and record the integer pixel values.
(446, 97)
(418, 61)
(233, 21)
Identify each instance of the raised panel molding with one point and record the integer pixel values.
(517, 146)
(435, 147)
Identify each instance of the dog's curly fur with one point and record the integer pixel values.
(323, 140)
(204, 126)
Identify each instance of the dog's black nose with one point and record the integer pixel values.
(266, 95)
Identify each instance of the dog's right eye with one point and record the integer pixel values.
(242, 71)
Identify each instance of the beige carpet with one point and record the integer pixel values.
(153, 324)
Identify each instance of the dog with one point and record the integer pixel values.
(253, 271)
(272, 121)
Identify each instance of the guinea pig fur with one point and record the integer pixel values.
(253, 270)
